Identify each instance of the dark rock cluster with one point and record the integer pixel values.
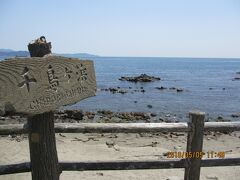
(115, 90)
(236, 115)
(125, 116)
(171, 88)
(103, 116)
(39, 47)
(133, 116)
(72, 114)
(237, 77)
(161, 88)
(141, 78)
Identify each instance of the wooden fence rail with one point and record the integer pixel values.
(120, 165)
(123, 127)
(194, 128)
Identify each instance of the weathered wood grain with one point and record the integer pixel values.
(42, 145)
(123, 127)
(194, 145)
(36, 85)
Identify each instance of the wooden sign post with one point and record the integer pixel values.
(37, 86)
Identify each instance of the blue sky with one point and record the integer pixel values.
(170, 28)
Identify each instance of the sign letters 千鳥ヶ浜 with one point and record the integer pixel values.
(36, 85)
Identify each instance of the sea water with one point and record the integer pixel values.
(207, 85)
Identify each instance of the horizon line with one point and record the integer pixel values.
(117, 56)
(162, 57)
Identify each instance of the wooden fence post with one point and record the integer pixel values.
(194, 145)
(42, 144)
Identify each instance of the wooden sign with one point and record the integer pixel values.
(36, 85)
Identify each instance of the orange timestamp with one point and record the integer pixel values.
(197, 154)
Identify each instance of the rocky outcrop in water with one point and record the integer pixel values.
(237, 77)
(141, 78)
(236, 115)
(115, 90)
(161, 88)
(171, 88)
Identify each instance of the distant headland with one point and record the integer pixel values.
(7, 53)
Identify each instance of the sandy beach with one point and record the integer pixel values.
(93, 147)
